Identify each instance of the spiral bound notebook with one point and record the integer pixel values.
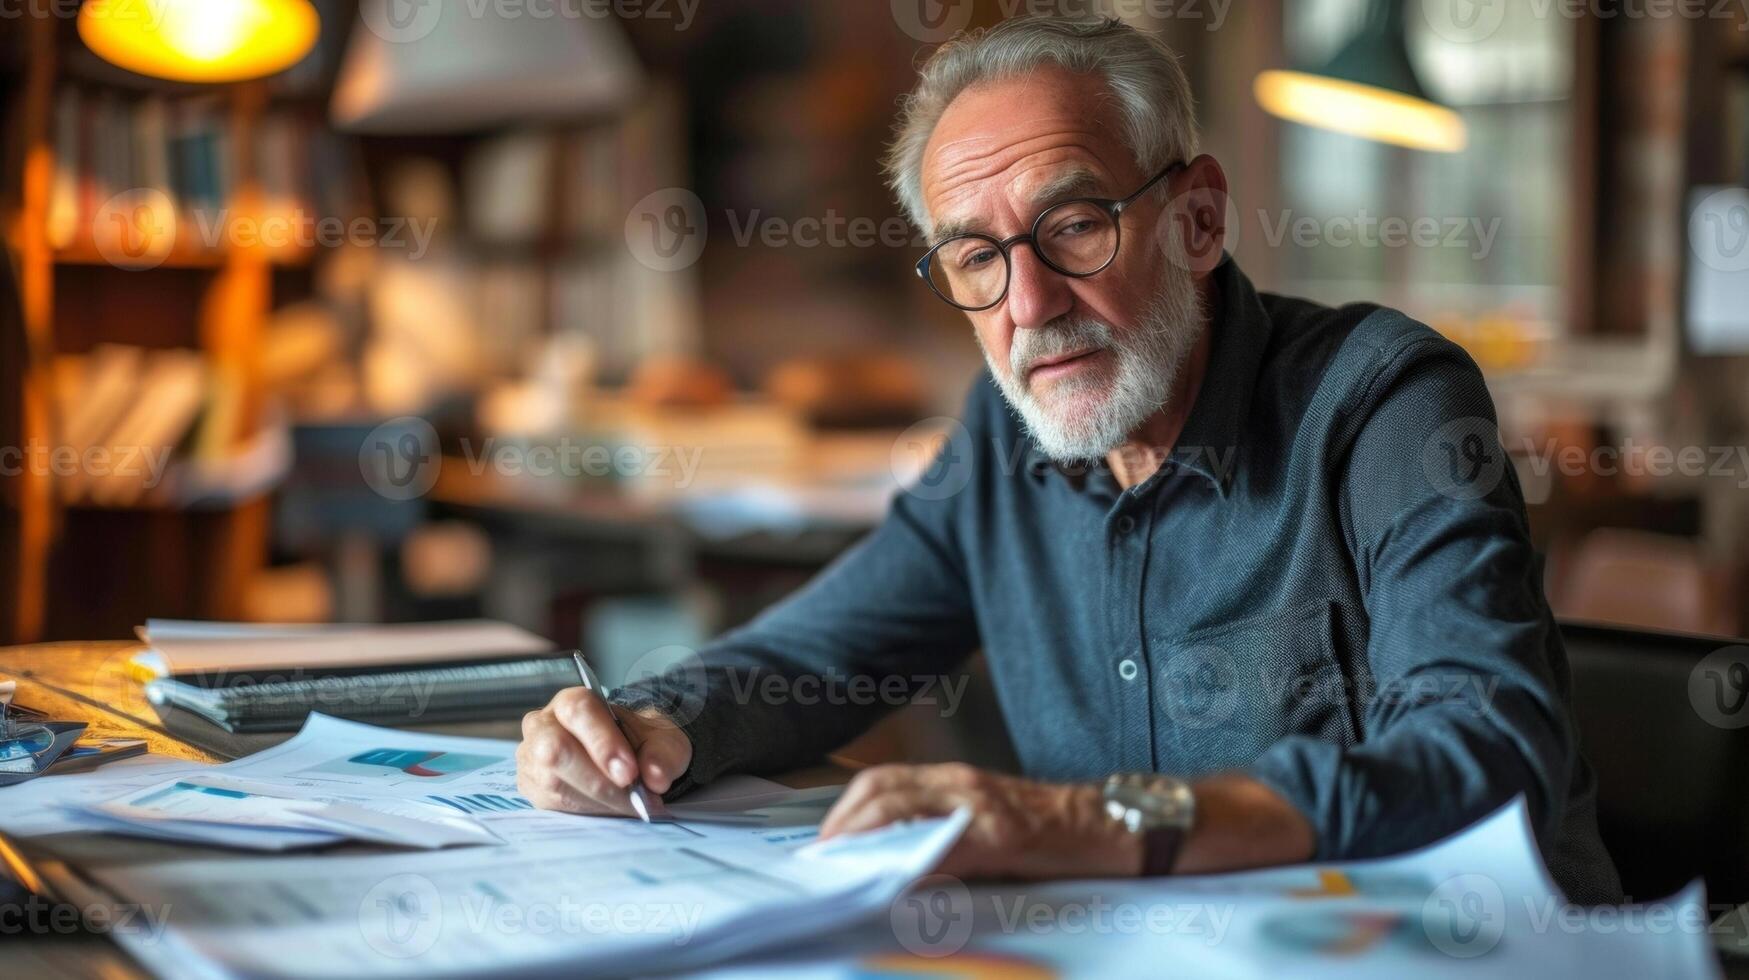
(269, 678)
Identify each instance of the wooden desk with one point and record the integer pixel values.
(84, 681)
(87, 682)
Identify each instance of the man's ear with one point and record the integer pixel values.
(1199, 218)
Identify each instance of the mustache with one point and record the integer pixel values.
(1064, 335)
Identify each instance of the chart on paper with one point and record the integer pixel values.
(588, 900)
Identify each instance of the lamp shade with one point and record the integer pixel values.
(1369, 89)
(200, 40)
(455, 67)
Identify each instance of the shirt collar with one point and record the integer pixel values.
(1209, 444)
(1239, 337)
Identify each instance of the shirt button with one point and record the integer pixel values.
(1127, 670)
(1125, 525)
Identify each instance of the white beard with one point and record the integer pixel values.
(1086, 416)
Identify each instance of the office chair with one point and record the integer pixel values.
(1673, 777)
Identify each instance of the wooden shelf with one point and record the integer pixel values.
(181, 258)
(208, 522)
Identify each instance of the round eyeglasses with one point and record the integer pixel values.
(1077, 238)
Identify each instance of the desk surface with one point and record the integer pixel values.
(88, 682)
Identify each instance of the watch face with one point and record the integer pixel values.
(1141, 797)
(1158, 803)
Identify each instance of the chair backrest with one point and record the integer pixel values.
(1672, 771)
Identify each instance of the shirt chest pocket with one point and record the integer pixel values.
(1224, 695)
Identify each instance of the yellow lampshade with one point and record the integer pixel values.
(1361, 110)
(200, 40)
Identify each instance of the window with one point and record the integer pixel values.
(1494, 223)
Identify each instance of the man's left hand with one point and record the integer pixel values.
(1020, 828)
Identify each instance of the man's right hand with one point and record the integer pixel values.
(573, 757)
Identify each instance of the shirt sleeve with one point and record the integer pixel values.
(1467, 706)
(817, 669)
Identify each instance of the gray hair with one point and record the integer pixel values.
(1152, 95)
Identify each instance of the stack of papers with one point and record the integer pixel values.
(593, 896)
(210, 809)
(645, 899)
(583, 894)
(1478, 904)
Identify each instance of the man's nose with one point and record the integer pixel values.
(1037, 294)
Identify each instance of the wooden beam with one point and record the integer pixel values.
(36, 274)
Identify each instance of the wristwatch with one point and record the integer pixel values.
(1159, 808)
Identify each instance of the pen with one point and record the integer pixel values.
(640, 799)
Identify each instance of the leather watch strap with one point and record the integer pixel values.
(1160, 847)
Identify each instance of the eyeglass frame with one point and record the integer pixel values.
(1112, 207)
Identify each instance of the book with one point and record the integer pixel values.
(185, 647)
(468, 692)
(270, 678)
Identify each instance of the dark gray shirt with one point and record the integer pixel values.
(1329, 586)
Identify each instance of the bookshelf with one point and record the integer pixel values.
(192, 315)
(527, 267)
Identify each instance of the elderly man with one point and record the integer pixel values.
(1252, 575)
